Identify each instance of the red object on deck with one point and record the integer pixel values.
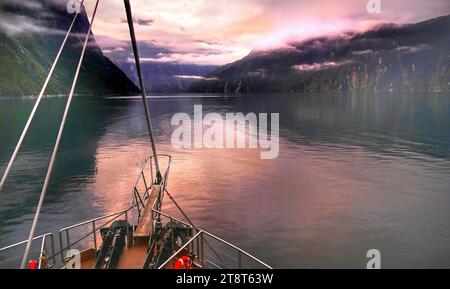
(183, 263)
(32, 264)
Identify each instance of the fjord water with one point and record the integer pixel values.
(354, 172)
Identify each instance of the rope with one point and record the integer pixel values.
(181, 210)
(58, 140)
(36, 105)
(192, 224)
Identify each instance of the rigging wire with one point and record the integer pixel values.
(36, 105)
(193, 226)
(58, 140)
(142, 87)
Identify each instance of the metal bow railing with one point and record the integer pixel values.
(217, 254)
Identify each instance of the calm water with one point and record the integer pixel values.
(353, 173)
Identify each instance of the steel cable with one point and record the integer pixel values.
(36, 105)
(58, 140)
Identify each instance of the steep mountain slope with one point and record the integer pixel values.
(413, 57)
(30, 35)
(167, 77)
(159, 76)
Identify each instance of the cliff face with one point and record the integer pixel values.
(413, 57)
(31, 33)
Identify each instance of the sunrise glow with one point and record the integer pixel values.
(219, 32)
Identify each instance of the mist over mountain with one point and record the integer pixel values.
(414, 57)
(167, 77)
(159, 76)
(31, 33)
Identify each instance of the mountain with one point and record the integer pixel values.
(159, 76)
(31, 33)
(413, 57)
(166, 76)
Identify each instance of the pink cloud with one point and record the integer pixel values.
(235, 27)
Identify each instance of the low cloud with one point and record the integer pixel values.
(26, 4)
(12, 24)
(362, 52)
(184, 58)
(195, 77)
(413, 49)
(257, 73)
(144, 22)
(27, 17)
(319, 66)
(141, 22)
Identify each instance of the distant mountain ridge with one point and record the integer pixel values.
(166, 76)
(160, 75)
(31, 33)
(414, 57)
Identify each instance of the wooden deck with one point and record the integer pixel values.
(145, 225)
(134, 256)
(87, 259)
(131, 258)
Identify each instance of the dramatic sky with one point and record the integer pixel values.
(221, 31)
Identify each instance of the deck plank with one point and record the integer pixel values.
(145, 225)
(134, 257)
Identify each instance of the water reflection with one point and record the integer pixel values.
(353, 173)
(74, 169)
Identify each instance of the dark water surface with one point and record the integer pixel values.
(353, 173)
